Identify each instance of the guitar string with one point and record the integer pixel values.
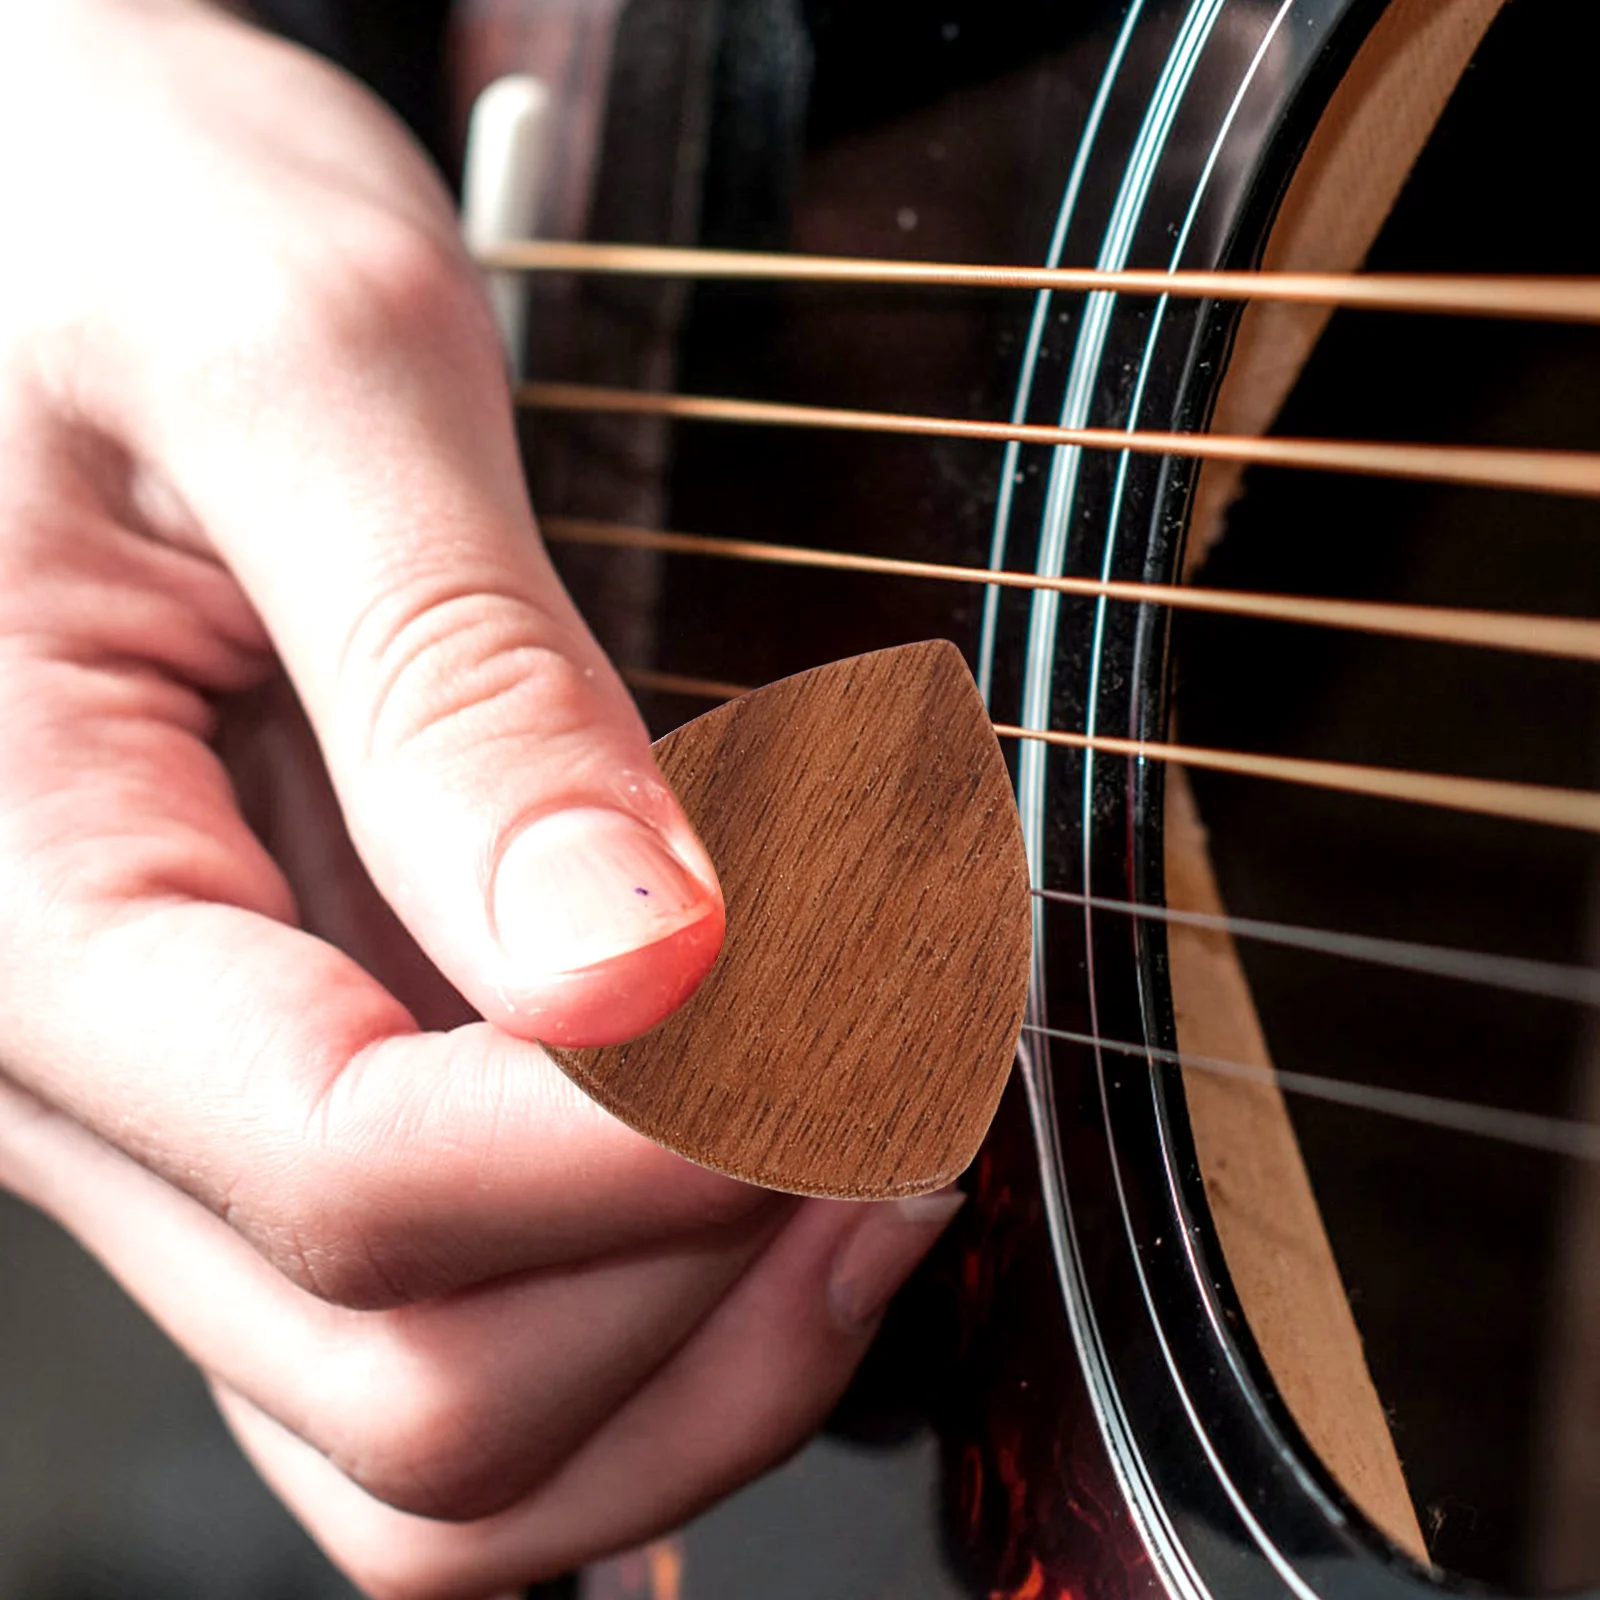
(1540, 804)
(1559, 471)
(1548, 980)
(1541, 299)
(1563, 472)
(1555, 1135)
(1547, 806)
(1566, 638)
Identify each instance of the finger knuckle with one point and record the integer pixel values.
(328, 1256)
(378, 282)
(326, 1226)
(452, 660)
(366, 284)
(423, 1438)
(446, 668)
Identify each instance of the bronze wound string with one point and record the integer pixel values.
(1562, 472)
(1567, 638)
(1515, 802)
(677, 683)
(1570, 473)
(1541, 804)
(1551, 299)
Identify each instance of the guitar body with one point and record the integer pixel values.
(1131, 1369)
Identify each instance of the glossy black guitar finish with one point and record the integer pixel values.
(1105, 1423)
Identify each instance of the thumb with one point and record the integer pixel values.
(493, 771)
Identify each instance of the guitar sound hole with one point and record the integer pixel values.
(1464, 1259)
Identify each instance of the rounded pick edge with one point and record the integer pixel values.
(944, 657)
(788, 1183)
(781, 1182)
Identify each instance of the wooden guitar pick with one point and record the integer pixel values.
(855, 1035)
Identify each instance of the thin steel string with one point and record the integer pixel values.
(1557, 1135)
(1564, 472)
(1521, 298)
(1567, 638)
(1547, 979)
(1540, 804)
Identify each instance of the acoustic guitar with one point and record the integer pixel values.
(1254, 474)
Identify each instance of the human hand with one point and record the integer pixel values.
(254, 423)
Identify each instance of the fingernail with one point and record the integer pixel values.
(581, 887)
(878, 1255)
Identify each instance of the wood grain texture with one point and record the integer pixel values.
(857, 1030)
(1262, 1202)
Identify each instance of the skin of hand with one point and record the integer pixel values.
(265, 554)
